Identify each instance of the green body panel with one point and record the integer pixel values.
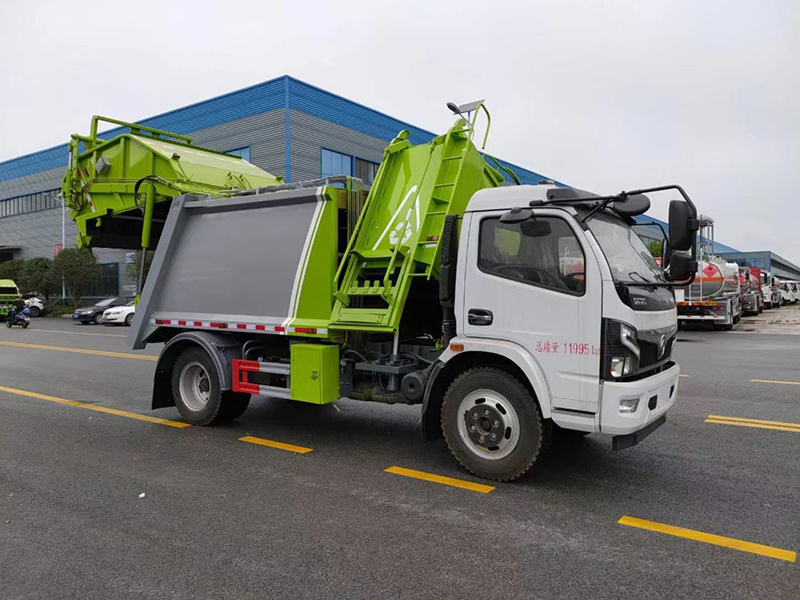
(400, 229)
(7, 300)
(100, 183)
(312, 307)
(315, 373)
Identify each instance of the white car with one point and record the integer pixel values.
(120, 315)
(35, 305)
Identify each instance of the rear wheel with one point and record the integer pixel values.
(25, 325)
(492, 424)
(98, 318)
(34, 311)
(129, 319)
(233, 405)
(196, 388)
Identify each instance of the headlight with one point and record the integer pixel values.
(620, 350)
(627, 335)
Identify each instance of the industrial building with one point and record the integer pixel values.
(284, 126)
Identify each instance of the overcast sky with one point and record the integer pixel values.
(601, 95)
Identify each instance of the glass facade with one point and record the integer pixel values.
(336, 163)
(29, 203)
(107, 282)
(243, 152)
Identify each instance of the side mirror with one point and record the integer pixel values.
(632, 206)
(681, 234)
(681, 267)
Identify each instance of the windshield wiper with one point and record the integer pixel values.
(645, 282)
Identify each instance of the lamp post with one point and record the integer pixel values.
(63, 241)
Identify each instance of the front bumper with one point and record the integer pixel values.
(113, 318)
(656, 394)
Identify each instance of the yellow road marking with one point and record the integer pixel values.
(710, 538)
(77, 332)
(795, 429)
(744, 420)
(103, 409)
(273, 444)
(773, 381)
(81, 351)
(459, 483)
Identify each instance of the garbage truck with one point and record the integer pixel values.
(714, 296)
(508, 313)
(9, 295)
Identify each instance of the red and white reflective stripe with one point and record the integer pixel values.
(239, 326)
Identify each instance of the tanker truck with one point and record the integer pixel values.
(714, 296)
(752, 299)
(508, 313)
(771, 290)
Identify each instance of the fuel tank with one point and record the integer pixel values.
(715, 279)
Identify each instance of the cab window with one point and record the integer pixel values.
(543, 252)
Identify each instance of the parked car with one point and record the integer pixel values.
(36, 305)
(120, 315)
(94, 314)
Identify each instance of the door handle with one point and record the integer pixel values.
(479, 316)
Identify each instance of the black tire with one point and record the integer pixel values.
(25, 325)
(34, 311)
(129, 319)
(98, 318)
(724, 327)
(8, 323)
(194, 408)
(518, 456)
(233, 405)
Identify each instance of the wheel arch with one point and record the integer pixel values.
(221, 348)
(505, 356)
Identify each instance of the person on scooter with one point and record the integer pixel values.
(19, 312)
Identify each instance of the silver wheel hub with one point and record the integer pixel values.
(488, 424)
(195, 386)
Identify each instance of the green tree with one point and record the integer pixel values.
(39, 276)
(78, 268)
(12, 269)
(656, 248)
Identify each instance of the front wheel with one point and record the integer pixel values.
(8, 323)
(34, 311)
(492, 424)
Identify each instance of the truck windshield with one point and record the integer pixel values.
(629, 259)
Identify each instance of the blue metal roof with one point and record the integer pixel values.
(269, 95)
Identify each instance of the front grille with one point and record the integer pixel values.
(650, 346)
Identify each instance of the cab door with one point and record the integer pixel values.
(537, 284)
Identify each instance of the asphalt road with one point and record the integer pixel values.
(222, 518)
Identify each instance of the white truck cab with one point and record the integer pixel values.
(555, 297)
